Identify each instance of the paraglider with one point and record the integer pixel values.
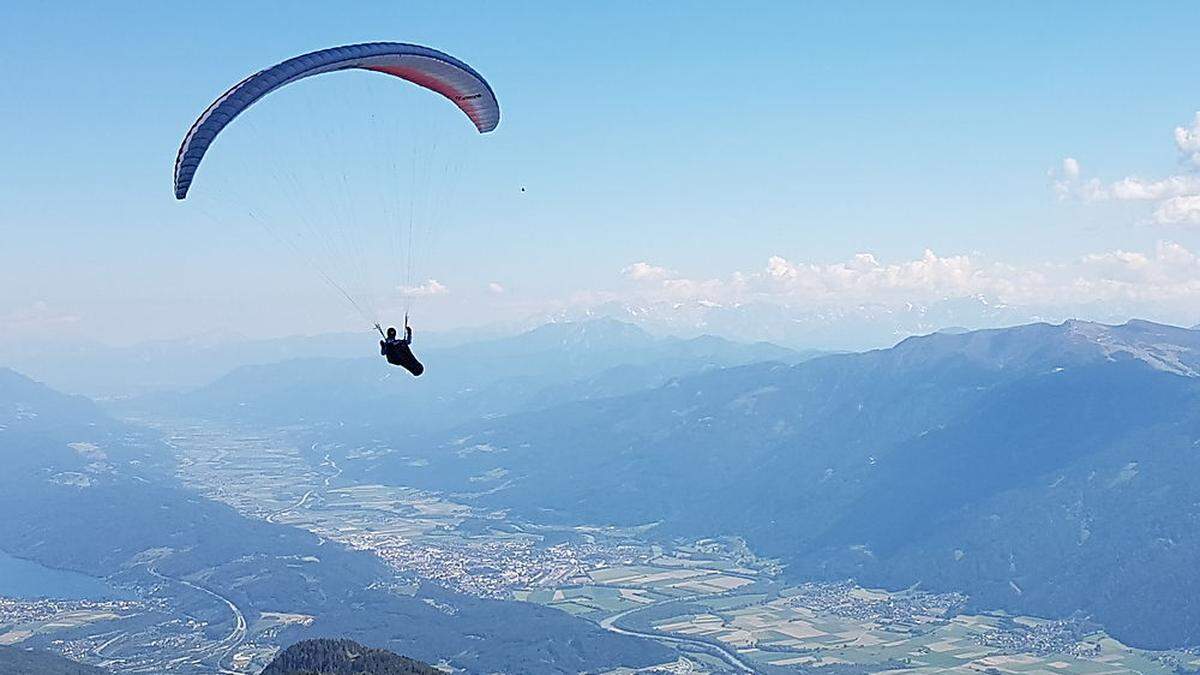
(425, 67)
(397, 351)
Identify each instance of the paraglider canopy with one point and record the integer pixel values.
(429, 68)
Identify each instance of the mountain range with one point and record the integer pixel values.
(1041, 469)
(548, 365)
(1044, 469)
(867, 325)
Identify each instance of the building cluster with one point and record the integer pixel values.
(14, 611)
(494, 569)
(910, 609)
(733, 549)
(166, 638)
(1045, 638)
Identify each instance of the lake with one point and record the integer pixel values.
(28, 580)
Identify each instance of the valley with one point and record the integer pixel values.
(837, 514)
(713, 600)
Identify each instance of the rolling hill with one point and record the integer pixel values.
(343, 657)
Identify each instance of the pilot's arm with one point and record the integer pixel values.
(408, 335)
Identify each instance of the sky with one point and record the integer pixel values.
(805, 155)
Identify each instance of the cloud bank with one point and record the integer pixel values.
(1165, 280)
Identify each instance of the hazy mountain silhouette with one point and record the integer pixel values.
(836, 326)
(543, 367)
(98, 370)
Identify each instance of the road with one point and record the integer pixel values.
(223, 648)
(724, 653)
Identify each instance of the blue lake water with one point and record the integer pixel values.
(26, 579)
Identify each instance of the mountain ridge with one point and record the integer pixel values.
(881, 465)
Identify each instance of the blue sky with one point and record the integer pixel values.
(700, 139)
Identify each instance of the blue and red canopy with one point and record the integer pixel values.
(422, 66)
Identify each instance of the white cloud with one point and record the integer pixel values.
(1187, 139)
(1172, 186)
(644, 271)
(1070, 167)
(1170, 273)
(864, 277)
(1131, 188)
(495, 288)
(430, 287)
(1177, 196)
(1183, 210)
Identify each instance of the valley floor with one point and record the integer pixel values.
(719, 606)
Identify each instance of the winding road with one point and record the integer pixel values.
(724, 653)
(223, 648)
